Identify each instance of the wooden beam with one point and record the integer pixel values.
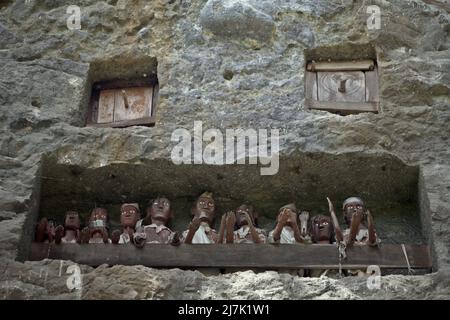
(258, 256)
(372, 90)
(345, 107)
(311, 85)
(147, 121)
(360, 65)
(119, 84)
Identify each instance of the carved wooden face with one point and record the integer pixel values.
(204, 209)
(303, 217)
(240, 214)
(50, 227)
(352, 208)
(98, 221)
(99, 217)
(160, 209)
(129, 215)
(321, 229)
(72, 220)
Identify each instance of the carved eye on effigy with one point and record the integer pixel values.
(100, 216)
(164, 203)
(210, 204)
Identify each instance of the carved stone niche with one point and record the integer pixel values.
(343, 87)
(122, 103)
(390, 188)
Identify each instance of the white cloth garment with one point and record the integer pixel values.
(64, 240)
(242, 232)
(286, 236)
(124, 238)
(141, 232)
(155, 226)
(138, 224)
(240, 235)
(201, 235)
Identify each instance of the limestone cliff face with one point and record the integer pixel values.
(230, 64)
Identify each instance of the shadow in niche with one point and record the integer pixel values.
(389, 187)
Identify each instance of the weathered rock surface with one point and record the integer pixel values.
(236, 19)
(230, 64)
(49, 279)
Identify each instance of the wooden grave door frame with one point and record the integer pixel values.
(258, 256)
(326, 84)
(111, 90)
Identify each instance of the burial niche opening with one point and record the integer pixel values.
(122, 103)
(123, 92)
(388, 186)
(343, 87)
(342, 78)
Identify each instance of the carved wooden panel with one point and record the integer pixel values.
(105, 113)
(343, 87)
(132, 103)
(122, 103)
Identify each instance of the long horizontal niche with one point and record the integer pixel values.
(258, 256)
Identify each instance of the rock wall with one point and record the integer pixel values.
(230, 64)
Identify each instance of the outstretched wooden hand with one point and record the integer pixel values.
(283, 217)
(194, 224)
(357, 218)
(85, 235)
(373, 240)
(105, 235)
(41, 230)
(230, 221)
(115, 236)
(176, 239)
(334, 219)
(59, 234)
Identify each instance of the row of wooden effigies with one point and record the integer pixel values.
(239, 226)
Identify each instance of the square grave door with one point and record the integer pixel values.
(122, 104)
(342, 87)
